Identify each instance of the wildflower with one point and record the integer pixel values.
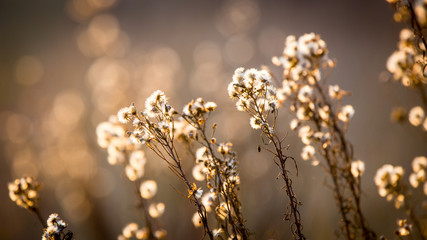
(305, 133)
(416, 116)
(419, 165)
(137, 159)
(208, 200)
(199, 172)
(294, 124)
(142, 233)
(224, 148)
(197, 220)
(346, 113)
(388, 180)
(222, 210)
(202, 154)
(160, 234)
(106, 131)
(304, 94)
(324, 113)
(157, 105)
(334, 91)
(303, 113)
(307, 152)
(210, 106)
(156, 209)
(198, 194)
(404, 228)
(148, 189)
(125, 114)
(136, 167)
(55, 227)
(24, 192)
(357, 168)
(130, 230)
(255, 122)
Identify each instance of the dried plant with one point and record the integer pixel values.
(389, 180)
(159, 126)
(321, 121)
(186, 139)
(256, 96)
(112, 135)
(408, 63)
(24, 192)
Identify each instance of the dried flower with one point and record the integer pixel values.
(24, 192)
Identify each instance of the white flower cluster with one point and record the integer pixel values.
(403, 13)
(55, 227)
(388, 180)
(132, 230)
(357, 168)
(216, 164)
(417, 117)
(302, 60)
(155, 122)
(24, 193)
(213, 170)
(407, 62)
(404, 228)
(121, 149)
(419, 166)
(198, 108)
(301, 57)
(255, 94)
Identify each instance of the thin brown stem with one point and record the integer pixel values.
(36, 212)
(146, 217)
(182, 175)
(345, 146)
(242, 229)
(293, 202)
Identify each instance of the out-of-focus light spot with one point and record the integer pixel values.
(167, 57)
(76, 206)
(24, 163)
(102, 184)
(206, 78)
(232, 125)
(271, 41)
(29, 70)
(52, 165)
(18, 128)
(160, 69)
(81, 167)
(68, 108)
(207, 52)
(102, 3)
(104, 28)
(238, 17)
(239, 49)
(253, 166)
(107, 73)
(109, 101)
(103, 37)
(81, 10)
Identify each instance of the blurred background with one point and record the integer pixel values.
(66, 66)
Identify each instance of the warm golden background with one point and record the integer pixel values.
(65, 66)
